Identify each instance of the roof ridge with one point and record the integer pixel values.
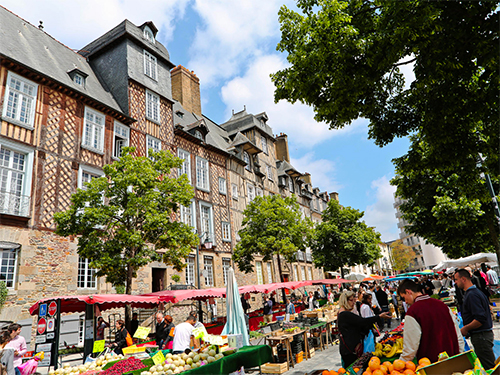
(46, 33)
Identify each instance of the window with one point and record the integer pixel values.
(152, 106)
(309, 273)
(264, 144)
(190, 270)
(153, 144)
(16, 165)
(303, 273)
(198, 135)
(206, 219)
(148, 35)
(121, 139)
(188, 215)
(202, 181)
(246, 159)
(269, 273)
(259, 192)
(150, 65)
(250, 192)
(8, 267)
(20, 99)
(226, 231)
(258, 268)
(234, 191)
(186, 166)
(209, 267)
(226, 264)
(93, 130)
(86, 275)
(78, 79)
(295, 273)
(87, 174)
(270, 173)
(222, 186)
(290, 184)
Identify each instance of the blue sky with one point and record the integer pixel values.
(231, 46)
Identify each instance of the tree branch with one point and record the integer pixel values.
(404, 62)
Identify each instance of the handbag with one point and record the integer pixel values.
(358, 349)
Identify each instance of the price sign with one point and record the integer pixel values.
(158, 358)
(142, 332)
(216, 340)
(200, 333)
(98, 346)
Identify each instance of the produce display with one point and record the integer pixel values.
(398, 367)
(389, 349)
(91, 367)
(121, 367)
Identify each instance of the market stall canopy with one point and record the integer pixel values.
(331, 281)
(398, 278)
(464, 262)
(356, 276)
(70, 304)
(333, 273)
(267, 288)
(176, 296)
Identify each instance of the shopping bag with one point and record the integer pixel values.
(369, 343)
(460, 325)
(30, 367)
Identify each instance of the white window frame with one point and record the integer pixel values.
(152, 143)
(121, 139)
(190, 270)
(90, 170)
(21, 97)
(259, 192)
(226, 231)
(265, 148)
(303, 273)
(79, 79)
(222, 186)
(269, 273)
(226, 264)
(96, 129)
(186, 165)
(295, 273)
(258, 272)
(184, 215)
(208, 265)
(28, 153)
(234, 191)
(152, 106)
(309, 273)
(88, 273)
(207, 227)
(202, 174)
(247, 159)
(270, 176)
(250, 192)
(148, 35)
(10, 263)
(150, 65)
(290, 184)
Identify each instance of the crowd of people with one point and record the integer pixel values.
(430, 327)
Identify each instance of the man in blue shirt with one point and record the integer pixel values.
(477, 319)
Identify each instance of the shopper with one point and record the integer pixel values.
(18, 343)
(366, 310)
(384, 304)
(101, 325)
(183, 334)
(430, 327)
(371, 291)
(120, 337)
(268, 310)
(427, 286)
(7, 354)
(290, 309)
(353, 328)
(476, 315)
(162, 331)
(134, 324)
(168, 344)
(437, 284)
(492, 276)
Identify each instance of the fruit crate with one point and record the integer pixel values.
(299, 357)
(274, 368)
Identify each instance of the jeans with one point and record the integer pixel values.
(483, 346)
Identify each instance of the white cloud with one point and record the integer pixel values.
(78, 22)
(381, 214)
(255, 90)
(322, 171)
(233, 33)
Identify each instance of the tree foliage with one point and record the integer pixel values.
(124, 218)
(402, 255)
(345, 60)
(342, 239)
(272, 225)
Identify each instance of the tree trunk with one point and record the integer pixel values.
(281, 278)
(128, 290)
(342, 271)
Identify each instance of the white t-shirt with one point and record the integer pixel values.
(182, 336)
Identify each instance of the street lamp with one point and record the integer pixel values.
(208, 245)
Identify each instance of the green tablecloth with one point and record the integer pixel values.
(248, 356)
(318, 325)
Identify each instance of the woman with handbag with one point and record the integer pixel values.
(353, 328)
(121, 337)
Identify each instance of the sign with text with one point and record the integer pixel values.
(42, 326)
(52, 308)
(200, 333)
(98, 346)
(158, 358)
(46, 349)
(142, 333)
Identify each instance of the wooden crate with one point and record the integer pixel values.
(274, 368)
(299, 357)
(311, 352)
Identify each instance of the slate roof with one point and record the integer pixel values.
(33, 48)
(127, 29)
(286, 169)
(242, 121)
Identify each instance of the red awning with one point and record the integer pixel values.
(175, 296)
(331, 281)
(267, 288)
(78, 303)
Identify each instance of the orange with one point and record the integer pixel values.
(424, 362)
(332, 372)
(366, 373)
(378, 372)
(408, 372)
(384, 369)
(368, 370)
(410, 366)
(389, 366)
(356, 369)
(399, 365)
(394, 372)
(341, 371)
(325, 372)
(374, 363)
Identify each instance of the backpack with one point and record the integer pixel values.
(129, 340)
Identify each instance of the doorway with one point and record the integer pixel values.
(158, 279)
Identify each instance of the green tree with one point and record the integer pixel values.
(272, 225)
(345, 61)
(342, 239)
(402, 255)
(124, 218)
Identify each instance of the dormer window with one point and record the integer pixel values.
(246, 159)
(148, 35)
(180, 114)
(78, 79)
(78, 76)
(198, 134)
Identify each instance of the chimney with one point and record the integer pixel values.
(306, 177)
(282, 152)
(334, 196)
(186, 89)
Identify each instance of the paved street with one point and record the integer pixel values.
(327, 359)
